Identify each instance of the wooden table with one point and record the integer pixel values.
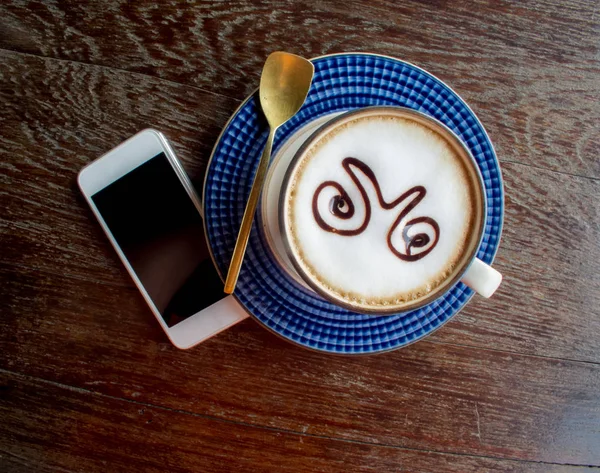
(90, 383)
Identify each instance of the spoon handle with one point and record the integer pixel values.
(246, 226)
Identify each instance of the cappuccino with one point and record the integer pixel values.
(382, 210)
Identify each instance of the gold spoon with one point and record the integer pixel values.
(284, 85)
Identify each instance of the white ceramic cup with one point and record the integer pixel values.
(474, 273)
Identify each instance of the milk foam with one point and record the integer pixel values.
(361, 269)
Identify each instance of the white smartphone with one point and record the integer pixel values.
(151, 214)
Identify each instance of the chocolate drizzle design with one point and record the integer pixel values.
(342, 207)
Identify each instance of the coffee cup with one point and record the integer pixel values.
(380, 210)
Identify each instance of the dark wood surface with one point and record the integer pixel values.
(90, 383)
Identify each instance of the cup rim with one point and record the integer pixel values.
(443, 288)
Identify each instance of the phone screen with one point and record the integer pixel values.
(160, 231)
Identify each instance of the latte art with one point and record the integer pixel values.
(381, 210)
(416, 244)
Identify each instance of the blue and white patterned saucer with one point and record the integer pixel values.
(341, 82)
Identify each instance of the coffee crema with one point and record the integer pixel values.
(380, 211)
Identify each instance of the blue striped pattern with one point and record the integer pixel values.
(341, 82)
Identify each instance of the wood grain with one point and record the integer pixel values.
(426, 396)
(548, 305)
(88, 381)
(53, 428)
(529, 69)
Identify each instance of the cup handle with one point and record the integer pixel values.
(482, 278)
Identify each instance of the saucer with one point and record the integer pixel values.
(266, 288)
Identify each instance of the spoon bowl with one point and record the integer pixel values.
(284, 85)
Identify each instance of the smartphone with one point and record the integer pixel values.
(151, 214)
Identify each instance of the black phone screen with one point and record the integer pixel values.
(160, 231)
